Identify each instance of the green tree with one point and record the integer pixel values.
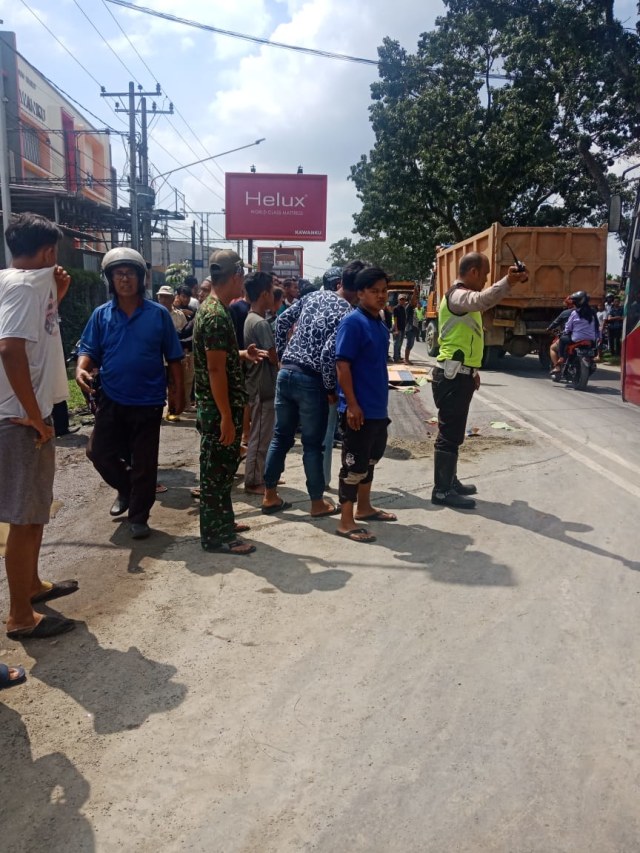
(175, 274)
(397, 260)
(510, 110)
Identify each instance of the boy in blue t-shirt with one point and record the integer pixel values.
(362, 344)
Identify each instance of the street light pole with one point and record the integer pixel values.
(212, 157)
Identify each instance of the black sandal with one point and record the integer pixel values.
(230, 548)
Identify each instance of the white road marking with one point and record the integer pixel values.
(503, 408)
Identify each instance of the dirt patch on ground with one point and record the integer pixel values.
(404, 448)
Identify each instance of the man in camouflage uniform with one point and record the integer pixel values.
(220, 399)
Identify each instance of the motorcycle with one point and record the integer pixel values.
(579, 364)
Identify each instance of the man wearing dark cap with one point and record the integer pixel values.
(220, 398)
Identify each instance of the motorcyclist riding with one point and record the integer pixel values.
(582, 325)
(557, 327)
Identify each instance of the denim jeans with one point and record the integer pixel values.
(397, 345)
(332, 422)
(410, 338)
(300, 399)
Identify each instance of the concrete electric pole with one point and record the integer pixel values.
(141, 194)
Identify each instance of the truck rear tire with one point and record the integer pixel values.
(544, 357)
(432, 339)
(490, 357)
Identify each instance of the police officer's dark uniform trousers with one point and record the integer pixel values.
(460, 355)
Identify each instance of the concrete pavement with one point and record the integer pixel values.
(468, 683)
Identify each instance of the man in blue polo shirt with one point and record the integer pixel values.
(362, 344)
(128, 339)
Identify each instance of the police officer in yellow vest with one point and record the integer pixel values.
(456, 376)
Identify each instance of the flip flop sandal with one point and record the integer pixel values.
(161, 489)
(5, 676)
(241, 528)
(58, 590)
(231, 548)
(352, 535)
(333, 511)
(378, 515)
(271, 510)
(48, 626)
(195, 493)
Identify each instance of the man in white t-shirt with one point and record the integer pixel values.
(32, 379)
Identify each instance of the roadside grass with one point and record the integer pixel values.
(76, 399)
(613, 360)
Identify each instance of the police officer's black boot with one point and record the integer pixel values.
(461, 488)
(443, 493)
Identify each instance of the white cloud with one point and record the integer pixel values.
(312, 111)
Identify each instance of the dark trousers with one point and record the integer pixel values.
(123, 436)
(563, 343)
(218, 465)
(615, 340)
(362, 449)
(452, 398)
(60, 415)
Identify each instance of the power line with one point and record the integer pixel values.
(310, 51)
(64, 47)
(193, 174)
(120, 60)
(67, 95)
(61, 43)
(154, 76)
(135, 49)
(243, 36)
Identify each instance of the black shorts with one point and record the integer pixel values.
(361, 450)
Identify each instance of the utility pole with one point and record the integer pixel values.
(202, 244)
(4, 168)
(193, 247)
(139, 190)
(144, 180)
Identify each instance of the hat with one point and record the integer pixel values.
(223, 263)
(165, 290)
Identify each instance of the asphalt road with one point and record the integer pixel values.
(468, 683)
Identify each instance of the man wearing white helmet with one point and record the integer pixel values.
(128, 339)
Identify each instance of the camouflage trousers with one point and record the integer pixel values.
(218, 465)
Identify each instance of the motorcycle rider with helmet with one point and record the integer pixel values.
(582, 325)
(557, 327)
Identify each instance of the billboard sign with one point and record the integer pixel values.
(276, 207)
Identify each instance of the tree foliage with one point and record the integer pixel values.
(176, 273)
(511, 111)
(396, 260)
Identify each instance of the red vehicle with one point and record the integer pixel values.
(283, 261)
(630, 277)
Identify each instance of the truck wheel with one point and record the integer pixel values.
(544, 358)
(490, 357)
(432, 339)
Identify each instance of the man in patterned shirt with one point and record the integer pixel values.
(220, 398)
(301, 397)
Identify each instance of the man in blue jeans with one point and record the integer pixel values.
(301, 398)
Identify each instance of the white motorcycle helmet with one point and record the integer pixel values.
(119, 257)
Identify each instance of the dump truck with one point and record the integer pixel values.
(559, 261)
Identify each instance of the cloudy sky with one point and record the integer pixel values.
(312, 111)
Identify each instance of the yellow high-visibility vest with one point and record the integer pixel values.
(460, 332)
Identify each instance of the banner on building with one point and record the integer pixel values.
(55, 147)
